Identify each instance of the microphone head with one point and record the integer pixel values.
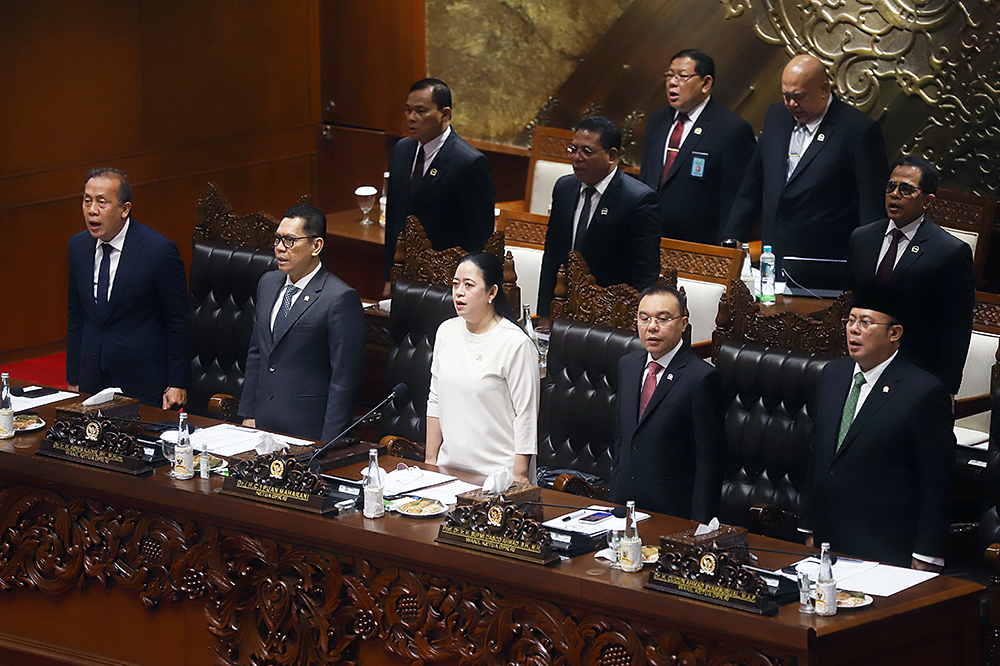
(619, 512)
(399, 389)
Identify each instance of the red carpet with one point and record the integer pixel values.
(47, 370)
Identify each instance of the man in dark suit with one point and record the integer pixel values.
(308, 345)
(814, 176)
(607, 216)
(882, 446)
(695, 152)
(909, 252)
(128, 301)
(438, 177)
(670, 442)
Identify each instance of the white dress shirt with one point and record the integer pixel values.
(909, 231)
(300, 283)
(663, 362)
(118, 242)
(595, 199)
(431, 149)
(688, 126)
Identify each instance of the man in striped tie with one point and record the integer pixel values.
(882, 445)
(670, 446)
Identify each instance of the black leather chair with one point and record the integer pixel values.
(768, 422)
(576, 426)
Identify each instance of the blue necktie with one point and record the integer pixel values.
(286, 305)
(104, 275)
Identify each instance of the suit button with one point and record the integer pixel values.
(831, 472)
(633, 447)
(270, 397)
(633, 477)
(270, 369)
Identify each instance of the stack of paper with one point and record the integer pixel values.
(573, 522)
(19, 403)
(880, 580)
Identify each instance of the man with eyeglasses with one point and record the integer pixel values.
(914, 255)
(695, 152)
(882, 444)
(670, 443)
(602, 213)
(307, 350)
(816, 173)
(128, 301)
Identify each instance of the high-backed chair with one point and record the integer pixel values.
(969, 217)
(704, 271)
(980, 374)
(524, 237)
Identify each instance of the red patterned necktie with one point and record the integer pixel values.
(648, 386)
(673, 145)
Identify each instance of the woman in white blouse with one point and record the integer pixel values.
(482, 410)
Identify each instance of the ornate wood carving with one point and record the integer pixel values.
(740, 319)
(525, 231)
(553, 147)
(218, 221)
(269, 602)
(578, 296)
(708, 265)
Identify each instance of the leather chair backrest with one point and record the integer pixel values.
(576, 425)
(417, 309)
(989, 525)
(771, 395)
(223, 293)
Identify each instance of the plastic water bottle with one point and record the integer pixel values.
(767, 276)
(826, 586)
(374, 508)
(747, 273)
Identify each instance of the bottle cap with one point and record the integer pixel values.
(767, 248)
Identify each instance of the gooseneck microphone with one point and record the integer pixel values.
(314, 465)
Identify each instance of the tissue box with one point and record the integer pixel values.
(517, 493)
(120, 408)
(725, 537)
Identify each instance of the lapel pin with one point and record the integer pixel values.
(885, 389)
(821, 137)
(306, 297)
(434, 172)
(915, 249)
(670, 377)
(697, 130)
(604, 211)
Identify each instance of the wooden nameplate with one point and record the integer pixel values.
(499, 528)
(280, 480)
(96, 442)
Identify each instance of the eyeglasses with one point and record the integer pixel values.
(905, 189)
(289, 241)
(662, 320)
(864, 323)
(587, 151)
(674, 76)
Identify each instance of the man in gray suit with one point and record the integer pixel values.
(308, 345)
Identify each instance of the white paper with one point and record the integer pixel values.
(228, 439)
(408, 480)
(574, 523)
(880, 580)
(19, 403)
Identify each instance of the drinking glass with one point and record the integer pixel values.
(807, 603)
(542, 335)
(366, 199)
(168, 440)
(615, 544)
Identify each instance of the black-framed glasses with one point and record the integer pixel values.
(573, 149)
(683, 78)
(662, 320)
(864, 323)
(289, 241)
(905, 189)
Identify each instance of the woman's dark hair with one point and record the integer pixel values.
(491, 267)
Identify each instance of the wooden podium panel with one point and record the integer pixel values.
(99, 567)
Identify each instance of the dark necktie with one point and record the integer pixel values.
(418, 173)
(648, 386)
(847, 417)
(286, 305)
(884, 271)
(104, 274)
(581, 225)
(673, 145)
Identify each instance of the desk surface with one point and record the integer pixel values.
(347, 224)
(356, 562)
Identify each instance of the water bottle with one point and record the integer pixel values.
(767, 276)
(747, 273)
(374, 508)
(204, 460)
(184, 453)
(631, 544)
(826, 586)
(526, 323)
(383, 199)
(6, 408)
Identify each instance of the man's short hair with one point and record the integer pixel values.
(313, 220)
(611, 136)
(661, 288)
(124, 187)
(440, 92)
(928, 172)
(703, 63)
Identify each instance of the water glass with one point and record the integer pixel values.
(168, 440)
(615, 544)
(807, 602)
(542, 336)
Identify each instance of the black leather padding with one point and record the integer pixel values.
(989, 524)
(576, 426)
(771, 396)
(417, 309)
(223, 293)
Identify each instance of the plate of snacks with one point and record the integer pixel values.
(215, 463)
(28, 422)
(851, 600)
(421, 508)
(650, 554)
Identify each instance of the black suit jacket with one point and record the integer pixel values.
(622, 241)
(139, 342)
(887, 493)
(454, 203)
(838, 184)
(936, 274)
(304, 380)
(696, 208)
(673, 458)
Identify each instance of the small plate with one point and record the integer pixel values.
(421, 508)
(216, 465)
(650, 554)
(34, 423)
(849, 600)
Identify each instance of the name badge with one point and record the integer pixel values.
(698, 164)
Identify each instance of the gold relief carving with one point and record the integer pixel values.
(942, 52)
(631, 154)
(595, 108)
(541, 119)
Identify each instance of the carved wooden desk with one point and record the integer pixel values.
(100, 568)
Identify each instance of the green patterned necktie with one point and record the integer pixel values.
(849, 408)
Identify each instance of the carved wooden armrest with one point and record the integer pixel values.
(517, 205)
(574, 485)
(974, 404)
(223, 406)
(766, 519)
(702, 350)
(403, 448)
